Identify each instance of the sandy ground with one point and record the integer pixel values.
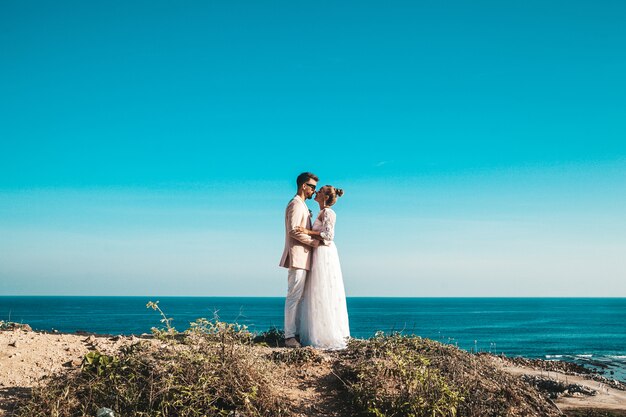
(26, 357)
(607, 398)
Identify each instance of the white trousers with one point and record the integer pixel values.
(296, 279)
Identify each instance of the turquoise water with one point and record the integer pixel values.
(590, 331)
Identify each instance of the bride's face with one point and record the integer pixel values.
(320, 197)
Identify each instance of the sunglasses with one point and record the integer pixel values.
(311, 186)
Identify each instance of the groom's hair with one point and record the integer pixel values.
(304, 177)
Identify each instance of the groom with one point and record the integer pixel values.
(297, 253)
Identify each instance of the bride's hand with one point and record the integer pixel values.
(301, 229)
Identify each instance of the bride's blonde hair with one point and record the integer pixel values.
(331, 194)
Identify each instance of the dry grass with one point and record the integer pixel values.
(212, 370)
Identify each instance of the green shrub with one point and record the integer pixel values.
(274, 337)
(388, 376)
(396, 375)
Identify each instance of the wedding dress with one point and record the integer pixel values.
(323, 312)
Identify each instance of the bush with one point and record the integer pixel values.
(396, 375)
(209, 371)
(387, 376)
(273, 337)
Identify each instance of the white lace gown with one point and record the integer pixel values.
(323, 312)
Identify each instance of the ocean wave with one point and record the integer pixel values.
(584, 356)
(616, 356)
(553, 356)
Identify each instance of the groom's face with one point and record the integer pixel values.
(309, 188)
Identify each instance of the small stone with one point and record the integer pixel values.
(105, 412)
(14, 343)
(72, 363)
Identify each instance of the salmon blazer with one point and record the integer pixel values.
(297, 252)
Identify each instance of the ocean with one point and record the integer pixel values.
(588, 331)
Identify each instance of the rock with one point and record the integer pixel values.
(557, 388)
(72, 363)
(10, 325)
(105, 412)
(14, 343)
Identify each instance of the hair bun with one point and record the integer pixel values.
(339, 192)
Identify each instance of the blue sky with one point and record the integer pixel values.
(150, 147)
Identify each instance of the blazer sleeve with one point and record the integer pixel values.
(294, 219)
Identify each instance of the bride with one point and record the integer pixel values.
(323, 311)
